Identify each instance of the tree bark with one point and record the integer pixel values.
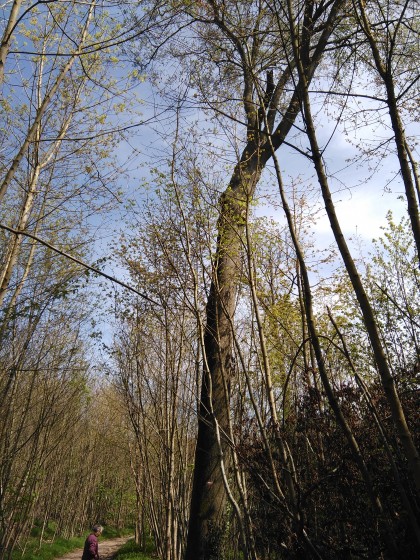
(212, 457)
(206, 526)
(7, 36)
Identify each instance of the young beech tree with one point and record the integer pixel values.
(58, 161)
(392, 37)
(393, 280)
(43, 368)
(300, 54)
(58, 118)
(154, 361)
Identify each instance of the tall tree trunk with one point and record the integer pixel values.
(206, 526)
(212, 457)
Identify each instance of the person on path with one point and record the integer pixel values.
(90, 550)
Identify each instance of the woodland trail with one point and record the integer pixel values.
(107, 548)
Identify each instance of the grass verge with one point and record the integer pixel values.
(132, 551)
(48, 551)
(52, 550)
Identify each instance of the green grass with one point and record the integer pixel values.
(48, 551)
(113, 532)
(52, 550)
(132, 551)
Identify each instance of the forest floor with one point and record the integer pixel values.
(107, 548)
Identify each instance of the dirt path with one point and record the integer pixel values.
(106, 549)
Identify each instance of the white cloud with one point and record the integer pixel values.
(363, 212)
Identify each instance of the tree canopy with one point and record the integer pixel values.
(194, 341)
